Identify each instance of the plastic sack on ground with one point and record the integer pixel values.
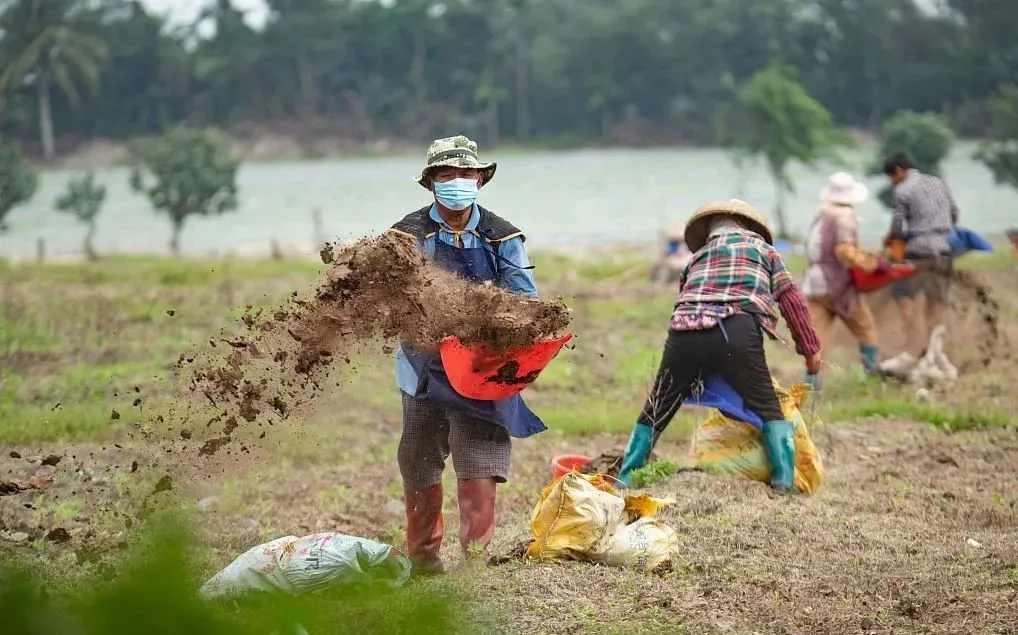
(723, 446)
(581, 517)
(576, 516)
(299, 565)
(644, 544)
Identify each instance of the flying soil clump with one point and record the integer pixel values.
(376, 289)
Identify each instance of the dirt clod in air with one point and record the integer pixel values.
(376, 289)
(974, 295)
(212, 446)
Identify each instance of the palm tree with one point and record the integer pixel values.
(43, 44)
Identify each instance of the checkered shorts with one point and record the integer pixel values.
(431, 432)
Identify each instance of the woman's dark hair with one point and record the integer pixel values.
(897, 161)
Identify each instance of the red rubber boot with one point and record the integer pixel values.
(424, 529)
(477, 513)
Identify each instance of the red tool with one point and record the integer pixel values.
(866, 282)
(478, 373)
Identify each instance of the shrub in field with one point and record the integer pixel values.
(1000, 153)
(18, 181)
(84, 199)
(777, 120)
(184, 173)
(154, 591)
(924, 137)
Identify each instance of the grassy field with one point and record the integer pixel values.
(87, 355)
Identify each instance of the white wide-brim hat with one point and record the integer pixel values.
(843, 189)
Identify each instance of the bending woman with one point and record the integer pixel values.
(729, 295)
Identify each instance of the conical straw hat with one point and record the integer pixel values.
(698, 227)
(675, 232)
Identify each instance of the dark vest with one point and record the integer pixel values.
(491, 227)
(478, 265)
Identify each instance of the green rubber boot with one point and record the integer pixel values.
(637, 451)
(870, 358)
(779, 443)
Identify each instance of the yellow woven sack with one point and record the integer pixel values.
(724, 446)
(583, 518)
(574, 519)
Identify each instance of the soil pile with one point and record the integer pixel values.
(979, 331)
(377, 289)
(973, 297)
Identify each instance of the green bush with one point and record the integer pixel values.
(925, 137)
(153, 590)
(652, 473)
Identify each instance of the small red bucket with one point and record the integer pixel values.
(564, 464)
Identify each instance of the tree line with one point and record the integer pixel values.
(190, 172)
(501, 70)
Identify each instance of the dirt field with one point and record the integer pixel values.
(915, 529)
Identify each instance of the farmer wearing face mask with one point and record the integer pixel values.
(462, 237)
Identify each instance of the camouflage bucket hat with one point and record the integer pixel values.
(456, 152)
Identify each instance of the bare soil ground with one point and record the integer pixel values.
(915, 529)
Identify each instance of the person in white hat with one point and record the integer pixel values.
(832, 249)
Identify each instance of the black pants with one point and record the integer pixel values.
(691, 356)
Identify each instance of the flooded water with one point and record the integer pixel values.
(582, 197)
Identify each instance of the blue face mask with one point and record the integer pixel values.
(457, 193)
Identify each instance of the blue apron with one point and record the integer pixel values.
(475, 264)
(718, 394)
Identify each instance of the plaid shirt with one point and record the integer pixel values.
(732, 273)
(924, 214)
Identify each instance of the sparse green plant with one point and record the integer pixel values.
(18, 182)
(652, 473)
(193, 173)
(66, 510)
(84, 200)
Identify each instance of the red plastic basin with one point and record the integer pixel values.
(866, 282)
(478, 373)
(564, 464)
